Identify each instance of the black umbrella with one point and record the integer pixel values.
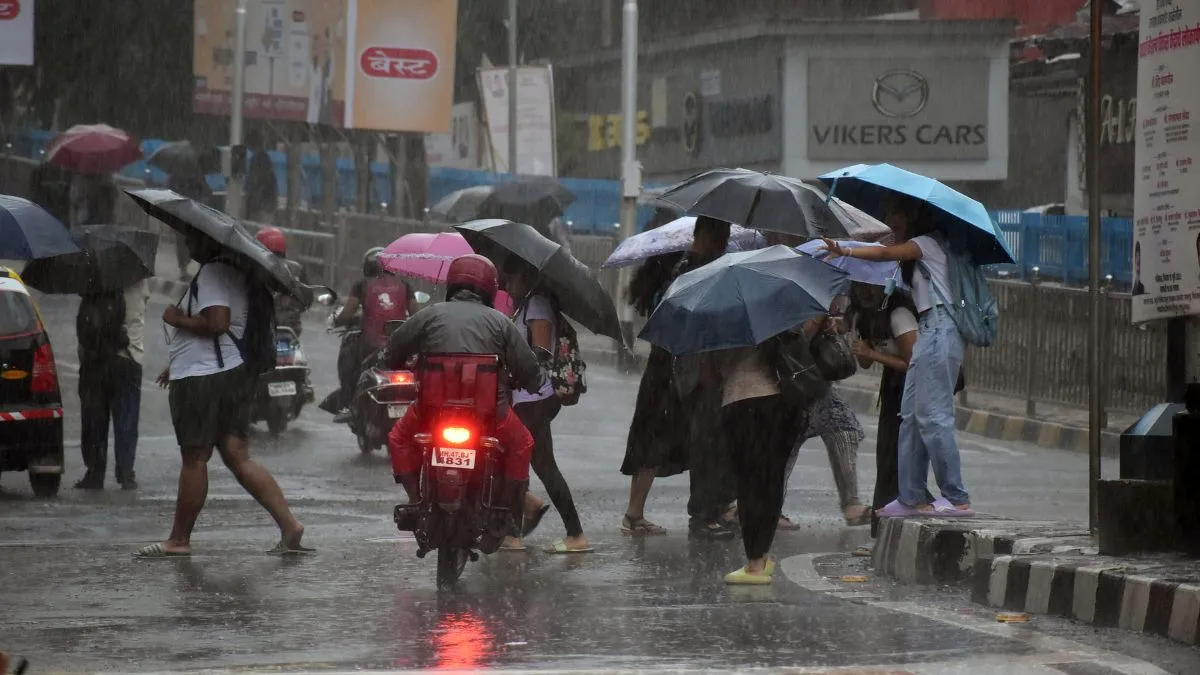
(579, 293)
(762, 201)
(527, 199)
(177, 157)
(186, 215)
(461, 205)
(111, 258)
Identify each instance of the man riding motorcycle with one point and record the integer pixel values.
(289, 310)
(466, 323)
(382, 297)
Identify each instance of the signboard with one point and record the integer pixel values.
(16, 32)
(1166, 241)
(367, 64)
(897, 109)
(536, 150)
(458, 148)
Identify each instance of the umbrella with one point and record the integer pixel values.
(964, 221)
(111, 258)
(579, 293)
(526, 199)
(652, 197)
(93, 148)
(461, 205)
(860, 224)
(865, 271)
(185, 215)
(28, 232)
(177, 157)
(743, 299)
(763, 201)
(673, 237)
(423, 255)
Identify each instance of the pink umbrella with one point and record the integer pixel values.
(428, 256)
(93, 148)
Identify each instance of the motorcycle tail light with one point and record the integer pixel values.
(400, 377)
(456, 435)
(45, 376)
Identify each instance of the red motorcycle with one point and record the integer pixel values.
(461, 512)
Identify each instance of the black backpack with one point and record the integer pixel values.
(100, 323)
(257, 344)
(801, 382)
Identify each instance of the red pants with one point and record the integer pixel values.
(515, 442)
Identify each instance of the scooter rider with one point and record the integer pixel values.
(289, 311)
(466, 323)
(382, 297)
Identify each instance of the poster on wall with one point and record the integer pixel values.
(1166, 248)
(536, 151)
(459, 147)
(366, 64)
(16, 32)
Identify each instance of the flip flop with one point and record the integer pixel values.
(158, 551)
(861, 519)
(952, 511)
(641, 527)
(532, 522)
(898, 509)
(863, 551)
(741, 577)
(786, 525)
(513, 549)
(280, 549)
(559, 546)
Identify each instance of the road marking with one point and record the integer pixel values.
(801, 570)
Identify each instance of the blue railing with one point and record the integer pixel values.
(1058, 246)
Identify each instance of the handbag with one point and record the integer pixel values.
(833, 356)
(800, 380)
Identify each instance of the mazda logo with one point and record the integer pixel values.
(900, 93)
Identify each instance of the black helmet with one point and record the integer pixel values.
(371, 266)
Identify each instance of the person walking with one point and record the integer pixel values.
(110, 328)
(538, 319)
(210, 390)
(927, 430)
(262, 189)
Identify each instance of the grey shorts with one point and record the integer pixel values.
(207, 408)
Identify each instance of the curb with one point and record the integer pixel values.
(1040, 568)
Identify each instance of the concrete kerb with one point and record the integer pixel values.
(1047, 569)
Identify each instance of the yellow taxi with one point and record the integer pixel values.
(31, 429)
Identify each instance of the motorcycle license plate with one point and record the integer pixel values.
(397, 411)
(281, 388)
(454, 458)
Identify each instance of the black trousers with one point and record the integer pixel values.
(537, 417)
(110, 388)
(762, 432)
(351, 354)
(711, 480)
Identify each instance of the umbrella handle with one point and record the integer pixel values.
(832, 190)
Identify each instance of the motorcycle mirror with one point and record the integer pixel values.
(421, 297)
(326, 299)
(326, 296)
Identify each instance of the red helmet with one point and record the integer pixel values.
(273, 239)
(475, 272)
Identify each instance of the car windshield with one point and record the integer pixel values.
(17, 315)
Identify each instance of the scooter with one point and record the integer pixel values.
(282, 392)
(382, 397)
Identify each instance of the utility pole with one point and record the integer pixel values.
(631, 170)
(1095, 381)
(512, 87)
(233, 168)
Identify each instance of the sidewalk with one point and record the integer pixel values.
(1045, 568)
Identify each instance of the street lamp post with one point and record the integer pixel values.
(1095, 395)
(512, 87)
(631, 170)
(233, 183)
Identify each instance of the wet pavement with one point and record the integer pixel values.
(73, 600)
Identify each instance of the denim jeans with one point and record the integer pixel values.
(110, 387)
(927, 413)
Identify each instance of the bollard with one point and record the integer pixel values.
(1032, 342)
(1187, 474)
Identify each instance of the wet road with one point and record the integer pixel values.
(73, 599)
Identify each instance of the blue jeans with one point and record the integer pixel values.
(110, 387)
(927, 413)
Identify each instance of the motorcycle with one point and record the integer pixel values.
(282, 392)
(383, 396)
(462, 511)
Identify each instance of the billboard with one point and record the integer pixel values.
(536, 151)
(16, 32)
(367, 64)
(1166, 198)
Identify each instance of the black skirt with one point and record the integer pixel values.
(659, 432)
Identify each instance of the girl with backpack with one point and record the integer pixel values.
(538, 318)
(927, 426)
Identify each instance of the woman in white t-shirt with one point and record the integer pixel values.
(927, 408)
(537, 317)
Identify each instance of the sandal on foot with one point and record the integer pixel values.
(863, 518)
(159, 551)
(281, 549)
(742, 577)
(531, 522)
(713, 531)
(786, 525)
(560, 546)
(898, 509)
(863, 551)
(640, 526)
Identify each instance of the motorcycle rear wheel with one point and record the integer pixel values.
(451, 561)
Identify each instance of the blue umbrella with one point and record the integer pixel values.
(865, 271)
(964, 221)
(743, 299)
(29, 232)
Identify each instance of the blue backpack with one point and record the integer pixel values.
(971, 305)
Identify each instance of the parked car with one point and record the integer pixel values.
(31, 429)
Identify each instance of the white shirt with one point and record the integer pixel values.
(135, 319)
(535, 308)
(902, 322)
(932, 262)
(217, 285)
